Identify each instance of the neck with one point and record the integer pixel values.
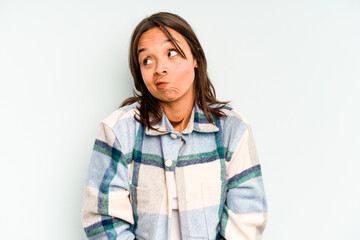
(178, 112)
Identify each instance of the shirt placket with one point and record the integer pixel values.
(171, 144)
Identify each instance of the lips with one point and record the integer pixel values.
(161, 85)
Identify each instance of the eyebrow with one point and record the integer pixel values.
(166, 41)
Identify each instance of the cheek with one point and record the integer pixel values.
(147, 77)
(186, 73)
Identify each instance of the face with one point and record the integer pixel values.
(167, 75)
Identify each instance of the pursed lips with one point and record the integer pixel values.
(160, 83)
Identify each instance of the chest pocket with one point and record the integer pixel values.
(200, 216)
(147, 199)
(148, 202)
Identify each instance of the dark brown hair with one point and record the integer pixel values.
(205, 96)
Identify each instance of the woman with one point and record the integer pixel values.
(173, 162)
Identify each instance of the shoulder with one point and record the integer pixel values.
(233, 125)
(233, 114)
(125, 113)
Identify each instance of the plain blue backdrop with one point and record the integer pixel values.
(291, 67)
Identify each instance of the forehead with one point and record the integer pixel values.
(158, 36)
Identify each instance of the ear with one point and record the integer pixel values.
(195, 63)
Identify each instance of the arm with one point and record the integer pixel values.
(244, 214)
(107, 211)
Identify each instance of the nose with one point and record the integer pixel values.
(161, 67)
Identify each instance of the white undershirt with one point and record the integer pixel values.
(175, 219)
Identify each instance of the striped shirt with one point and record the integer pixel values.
(129, 192)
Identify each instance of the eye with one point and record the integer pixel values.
(147, 61)
(172, 53)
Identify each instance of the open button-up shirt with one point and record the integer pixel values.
(218, 179)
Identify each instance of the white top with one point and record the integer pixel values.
(175, 219)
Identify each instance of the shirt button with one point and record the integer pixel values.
(168, 163)
(173, 136)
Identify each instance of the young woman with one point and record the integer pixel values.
(173, 162)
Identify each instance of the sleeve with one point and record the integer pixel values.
(245, 211)
(107, 211)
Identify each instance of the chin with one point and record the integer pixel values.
(170, 98)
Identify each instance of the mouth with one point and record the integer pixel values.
(161, 85)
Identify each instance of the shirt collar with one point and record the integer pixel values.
(198, 122)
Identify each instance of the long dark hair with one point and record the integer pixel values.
(205, 96)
